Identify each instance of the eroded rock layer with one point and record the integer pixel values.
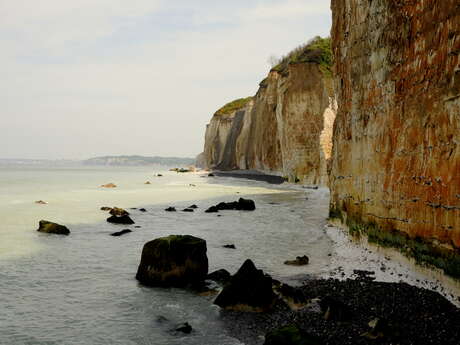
(396, 160)
(285, 130)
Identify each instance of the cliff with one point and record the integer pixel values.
(286, 128)
(396, 155)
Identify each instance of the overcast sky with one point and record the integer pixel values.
(83, 78)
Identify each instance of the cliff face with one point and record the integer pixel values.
(286, 129)
(396, 155)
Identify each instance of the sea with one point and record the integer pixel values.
(81, 288)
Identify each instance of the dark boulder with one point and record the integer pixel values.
(187, 210)
(299, 261)
(142, 210)
(290, 335)
(193, 206)
(170, 209)
(246, 205)
(229, 246)
(52, 228)
(248, 290)
(293, 296)
(119, 212)
(212, 209)
(334, 309)
(120, 233)
(176, 260)
(184, 328)
(220, 276)
(159, 175)
(126, 220)
(211, 175)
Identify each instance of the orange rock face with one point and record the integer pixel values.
(396, 154)
(286, 130)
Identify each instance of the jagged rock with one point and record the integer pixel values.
(212, 209)
(334, 309)
(120, 233)
(170, 209)
(248, 290)
(105, 208)
(109, 185)
(120, 220)
(229, 246)
(184, 328)
(290, 335)
(219, 276)
(299, 261)
(117, 211)
(176, 260)
(52, 228)
(193, 206)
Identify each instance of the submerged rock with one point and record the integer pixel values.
(142, 210)
(299, 261)
(184, 328)
(193, 206)
(219, 276)
(120, 220)
(290, 335)
(52, 228)
(229, 246)
(170, 209)
(176, 260)
(117, 211)
(109, 185)
(248, 290)
(212, 209)
(188, 210)
(120, 233)
(240, 205)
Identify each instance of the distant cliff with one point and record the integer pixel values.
(286, 128)
(139, 161)
(396, 156)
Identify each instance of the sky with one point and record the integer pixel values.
(86, 78)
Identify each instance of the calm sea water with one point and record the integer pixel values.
(80, 289)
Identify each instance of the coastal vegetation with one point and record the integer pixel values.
(233, 106)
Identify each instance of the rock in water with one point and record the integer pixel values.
(299, 261)
(176, 260)
(109, 185)
(290, 335)
(120, 220)
(184, 328)
(52, 228)
(117, 211)
(248, 290)
(246, 205)
(120, 233)
(220, 276)
(170, 209)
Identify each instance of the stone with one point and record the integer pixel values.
(105, 208)
(290, 335)
(121, 233)
(249, 290)
(109, 185)
(240, 205)
(212, 209)
(211, 175)
(159, 175)
(246, 205)
(229, 246)
(187, 210)
(120, 220)
(52, 228)
(299, 261)
(170, 209)
(41, 202)
(219, 276)
(147, 182)
(184, 328)
(142, 210)
(193, 206)
(379, 329)
(116, 211)
(176, 260)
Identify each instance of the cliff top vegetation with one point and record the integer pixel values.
(317, 50)
(233, 106)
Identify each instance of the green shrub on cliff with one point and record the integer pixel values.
(318, 51)
(233, 106)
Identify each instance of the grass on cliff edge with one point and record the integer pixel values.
(233, 106)
(422, 251)
(318, 50)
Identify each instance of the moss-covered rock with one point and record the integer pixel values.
(248, 290)
(290, 335)
(52, 228)
(176, 260)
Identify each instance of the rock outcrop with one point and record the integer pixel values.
(286, 128)
(176, 260)
(52, 228)
(396, 154)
